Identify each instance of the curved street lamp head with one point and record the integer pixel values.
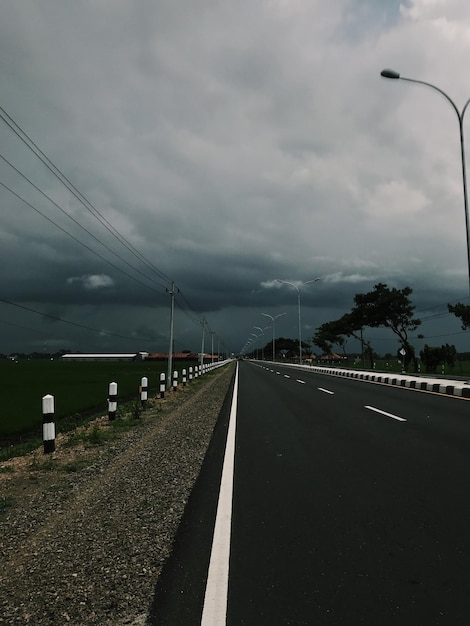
(389, 74)
(275, 317)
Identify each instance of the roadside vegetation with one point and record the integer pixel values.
(382, 307)
(80, 391)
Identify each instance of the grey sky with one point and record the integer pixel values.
(231, 143)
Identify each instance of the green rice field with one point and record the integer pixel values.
(76, 386)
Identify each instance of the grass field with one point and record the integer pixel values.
(461, 368)
(77, 387)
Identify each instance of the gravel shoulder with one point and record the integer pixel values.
(85, 532)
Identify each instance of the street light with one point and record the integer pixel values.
(386, 73)
(273, 319)
(262, 334)
(298, 303)
(256, 344)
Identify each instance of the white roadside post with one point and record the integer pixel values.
(184, 377)
(162, 385)
(144, 387)
(48, 425)
(112, 401)
(175, 380)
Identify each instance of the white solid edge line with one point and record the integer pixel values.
(395, 417)
(215, 600)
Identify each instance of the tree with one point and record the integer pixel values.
(335, 332)
(462, 311)
(329, 334)
(389, 308)
(433, 356)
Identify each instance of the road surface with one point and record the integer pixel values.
(348, 503)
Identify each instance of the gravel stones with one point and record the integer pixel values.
(87, 547)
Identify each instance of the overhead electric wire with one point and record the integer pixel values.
(78, 240)
(59, 319)
(73, 220)
(24, 137)
(31, 145)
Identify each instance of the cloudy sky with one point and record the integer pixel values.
(222, 145)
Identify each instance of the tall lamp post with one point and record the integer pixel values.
(386, 73)
(256, 344)
(273, 319)
(261, 330)
(298, 288)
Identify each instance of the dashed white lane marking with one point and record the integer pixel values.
(332, 393)
(302, 382)
(395, 417)
(286, 376)
(215, 601)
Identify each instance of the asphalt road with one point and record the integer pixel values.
(350, 506)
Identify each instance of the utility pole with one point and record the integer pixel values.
(174, 290)
(203, 322)
(212, 333)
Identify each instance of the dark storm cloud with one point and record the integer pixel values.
(229, 144)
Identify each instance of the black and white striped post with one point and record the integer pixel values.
(48, 425)
(190, 374)
(183, 374)
(112, 401)
(144, 387)
(175, 380)
(162, 385)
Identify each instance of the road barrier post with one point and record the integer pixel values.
(175, 380)
(162, 385)
(144, 387)
(48, 425)
(112, 401)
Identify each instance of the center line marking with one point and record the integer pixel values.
(395, 417)
(302, 382)
(326, 391)
(286, 376)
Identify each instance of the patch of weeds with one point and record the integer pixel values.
(76, 466)
(19, 449)
(123, 426)
(6, 469)
(6, 503)
(98, 436)
(137, 410)
(75, 440)
(42, 466)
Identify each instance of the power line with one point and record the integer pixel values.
(78, 240)
(82, 326)
(71, 218)
(31, 145)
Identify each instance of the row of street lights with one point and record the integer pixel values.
(298, 287)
